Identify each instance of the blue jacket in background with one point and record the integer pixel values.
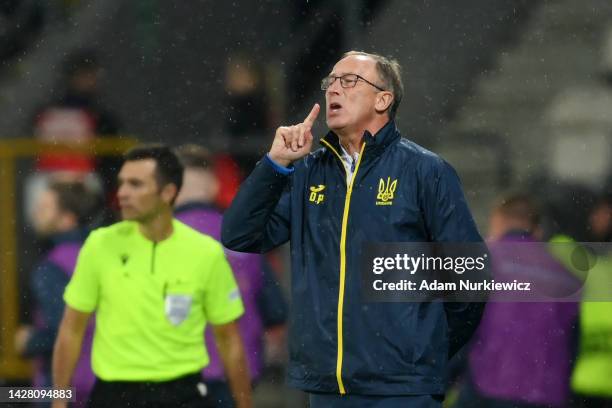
(49, 280)
(338, 342)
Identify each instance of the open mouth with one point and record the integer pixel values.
(334, 106)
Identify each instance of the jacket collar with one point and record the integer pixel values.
(375, 144)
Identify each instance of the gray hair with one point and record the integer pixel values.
(390, 73)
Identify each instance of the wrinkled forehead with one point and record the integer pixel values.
(356, 64)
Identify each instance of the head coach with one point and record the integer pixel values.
(327, 203)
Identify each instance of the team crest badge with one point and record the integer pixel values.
(177, 308)
(386, 191)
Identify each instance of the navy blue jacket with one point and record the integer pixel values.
(339, 343)
(49, 279)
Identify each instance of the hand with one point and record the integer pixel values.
(291, 143)
(22, 336)
(59, 404)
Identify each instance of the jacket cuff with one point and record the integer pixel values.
(285, 171)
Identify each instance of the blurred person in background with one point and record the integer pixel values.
(600, 220)
(592, 376)
(345, 352)
(522, 352)
(264, 303)
(248, 110)
(229, 176)
(154, 284)
(63, 214)
(77, 116)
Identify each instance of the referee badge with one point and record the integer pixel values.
(177, 308)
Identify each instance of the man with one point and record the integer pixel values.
(591, 380)
(154, 284)
(600, 220)
(78, 115)
(365, 184)
(63, 212)
(522, 352)
(264, 303)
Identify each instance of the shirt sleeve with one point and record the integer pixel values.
(281, 169)
(83, 289)
(222, 301)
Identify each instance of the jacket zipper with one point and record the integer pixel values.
(153, 259)
(347, 203)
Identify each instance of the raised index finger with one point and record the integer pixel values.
(312, 116)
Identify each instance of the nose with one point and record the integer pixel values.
(121, 192)
(334, 87)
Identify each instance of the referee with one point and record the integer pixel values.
(154, 284)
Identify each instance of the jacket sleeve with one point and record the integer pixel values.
(48, 283)
(447, 216)
(448, 219)
(271, 301)
(258, 219)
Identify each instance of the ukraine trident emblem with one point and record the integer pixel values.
(386, 191)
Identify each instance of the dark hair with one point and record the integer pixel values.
(168, 168)
(194, 156)
(74, 197)
(390, 73)
(520, 206)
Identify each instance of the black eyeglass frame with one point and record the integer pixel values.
(345, 83)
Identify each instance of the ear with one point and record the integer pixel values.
(169, 193)
(384, 99)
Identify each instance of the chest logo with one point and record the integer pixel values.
(124, 258)
(316, 194)
(386, 191)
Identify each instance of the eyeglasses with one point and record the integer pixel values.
(346, 81)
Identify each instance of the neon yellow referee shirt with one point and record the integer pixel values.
(152, 300)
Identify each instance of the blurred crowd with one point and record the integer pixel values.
(68, 194)
(541, 354)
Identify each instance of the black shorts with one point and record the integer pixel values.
(185, 392)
